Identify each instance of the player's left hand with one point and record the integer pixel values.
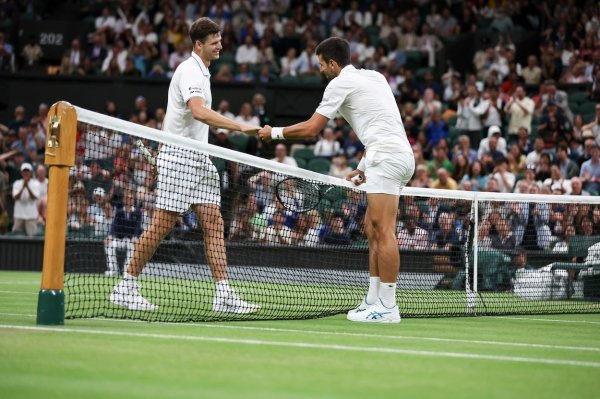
(265, 133)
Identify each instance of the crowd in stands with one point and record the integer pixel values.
(499, 127)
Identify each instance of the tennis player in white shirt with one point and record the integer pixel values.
(364, 99)
(187, 178)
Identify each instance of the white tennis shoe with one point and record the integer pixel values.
(127, 295)
(377, 313)
(230, 302)
(359, 309)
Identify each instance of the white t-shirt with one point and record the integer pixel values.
(365, 100)
(25, 206)
(191, 79)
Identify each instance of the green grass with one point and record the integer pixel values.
(551, 356)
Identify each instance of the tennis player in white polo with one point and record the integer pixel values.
(188, 179)
(364, 99)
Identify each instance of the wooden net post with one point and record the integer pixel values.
(60, 157)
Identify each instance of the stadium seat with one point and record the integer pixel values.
(301, 162)
(305, 153)
(353, 164)
(452, 121)
(239, 141)
(319, 165)
(311, 80)
(414, 60)
(577, 97)
(220, 164)
(288, 79)
(587, 118)
(420, 73)
(587, 107)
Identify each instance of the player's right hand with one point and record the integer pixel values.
(265, 133)
(357, 177)
(250, 129)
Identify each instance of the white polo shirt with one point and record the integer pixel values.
(365, 100)
(191, 79)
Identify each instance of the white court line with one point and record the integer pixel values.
(18, 292)
(308, 345)
(19, 283)
(549, 320)
(361, 335)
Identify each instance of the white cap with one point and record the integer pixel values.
(99, 191)
(493, 130)
(26, 166)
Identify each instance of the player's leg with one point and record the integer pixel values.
(226, 299)
(126, 293)
(111, 257)
(374, 280)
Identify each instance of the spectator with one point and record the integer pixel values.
(247, 53)
(440, 160)
(177, 57)
(476, 177)
(568, 168)
(590, 171)
(532, 73)
(282, 157)
(100, 212)
(339, 168)
(244, 74)
(277, 233)
(505, 178)
(504, 238)
(223, 109)
(577, 187)
(336, 233)
(464, 148)
(516, 160)
(444, 181)
(246, 115)
(327, 146)
(307, 64)
(445, 237)
(126, 228)
(288, 63)
(484, 146)
(224, 74)
(410, 235)
(116, 59)
(533, 158)
(520, 110)
(43, 195)
(32, 55)
(470, 111)
(427, 107)
(353, 148)
(421, 178)
(26, 192)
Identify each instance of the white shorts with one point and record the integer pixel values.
(388, 173)
(186, 179)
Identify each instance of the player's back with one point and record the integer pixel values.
(371, 109)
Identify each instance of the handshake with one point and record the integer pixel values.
(264, 133)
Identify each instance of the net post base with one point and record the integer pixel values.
(51, 307)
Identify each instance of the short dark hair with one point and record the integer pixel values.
(202, 28)
(336, 49)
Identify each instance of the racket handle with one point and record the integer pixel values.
(147, 154)
(357, 180)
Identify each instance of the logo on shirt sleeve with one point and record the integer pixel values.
(195, 90)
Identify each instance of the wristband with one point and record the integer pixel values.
(277, 133)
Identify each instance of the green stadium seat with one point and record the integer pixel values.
(305, 153)
(587, 107)
(302, 163)
(239, 141)
(288, 79)
(414, 60)
(311, 80)
(353, 164)
(578, 246)
(587, 118)
(452, 121)
(220, 164)
(420, 73)
(319, 165)
(577, 97)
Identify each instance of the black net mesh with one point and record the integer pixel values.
(184, 219)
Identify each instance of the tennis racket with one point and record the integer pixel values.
(299, 195)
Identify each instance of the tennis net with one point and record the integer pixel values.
(295, 245)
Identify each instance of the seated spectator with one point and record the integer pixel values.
(327, 146)
(577, 187)
(557, 181)
(440, 160)
(224, 74)
(463, 147)
(244, 74)
(307, 64)
(532, 73)
(445, 237)
(516, 160)
(484, 145)
(223, 109)
(461, 168)
(281, 156)
(277, 233)
(444, 181)
(247, 53)
(476, 177)
(590, 171)
(288, 63)
(437, 129)
(336, 233)
(505, 178)
(427, 107)
(542, 171)
(421, 178)
(533, 157)
(410, 235)
(262, 185)
(504, 238)
(339, 168)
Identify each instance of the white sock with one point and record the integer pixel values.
(373, 293)
(387, 294)
(222, 287)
